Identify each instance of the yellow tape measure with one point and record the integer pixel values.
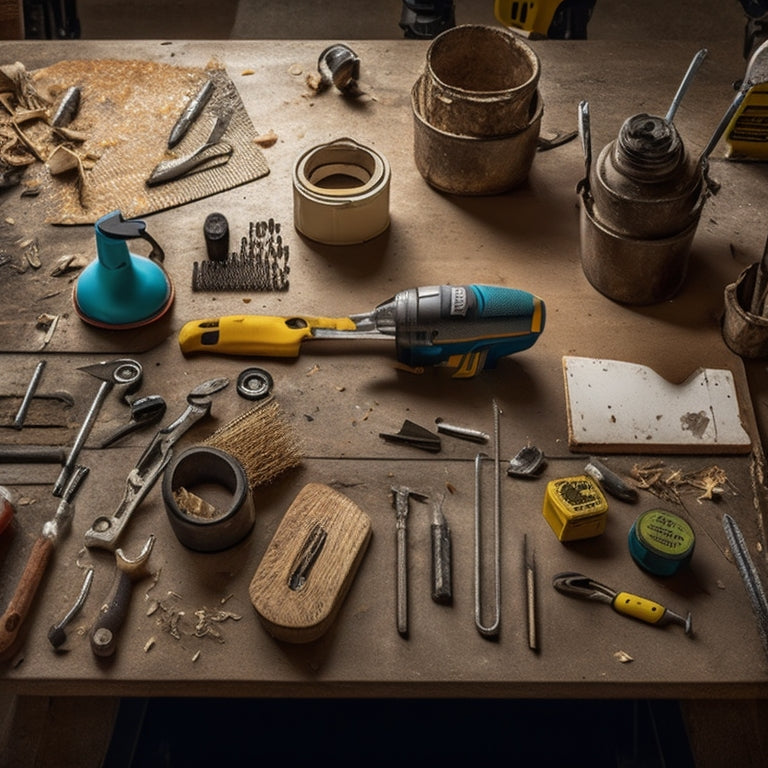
(575, 507)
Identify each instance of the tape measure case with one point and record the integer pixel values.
(575, 508)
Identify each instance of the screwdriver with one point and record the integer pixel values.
(466, 328)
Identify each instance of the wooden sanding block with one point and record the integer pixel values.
(310, 563)
(628, 408)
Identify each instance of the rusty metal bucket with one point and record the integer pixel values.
(479, 81)
(471, 165)
(631, 270)
(745, 333)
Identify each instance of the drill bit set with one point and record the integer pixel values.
(261, 264)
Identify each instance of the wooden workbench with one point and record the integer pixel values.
(340, 398)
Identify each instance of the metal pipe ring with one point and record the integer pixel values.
(198, 466)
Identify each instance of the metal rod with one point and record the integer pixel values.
(530, 594)
(492, 629)
(18, 421)
(82, 436)
(693, 68)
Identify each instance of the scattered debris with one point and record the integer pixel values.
(67, 263)
(669, 484)
(267, 139)
(194, 506)
(47, 323)
(177, 621)
(623, 657)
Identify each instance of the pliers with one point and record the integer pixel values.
(578, 585)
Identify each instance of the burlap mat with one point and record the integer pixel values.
(127, 110)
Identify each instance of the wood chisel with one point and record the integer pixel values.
(466, 328)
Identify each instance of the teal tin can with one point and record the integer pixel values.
(661, 542)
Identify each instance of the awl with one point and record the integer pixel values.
(467, 328)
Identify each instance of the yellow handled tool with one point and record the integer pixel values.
(257, 335)
(464, 327)
(578, 585)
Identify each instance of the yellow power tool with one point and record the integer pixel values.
(464, 327)
(554, 19)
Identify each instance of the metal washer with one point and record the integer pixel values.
(254, 384)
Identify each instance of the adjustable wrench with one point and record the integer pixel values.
(105, 531)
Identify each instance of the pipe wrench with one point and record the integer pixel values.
(105, 531)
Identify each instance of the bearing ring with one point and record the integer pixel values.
(201, 465)
(254, 384)
(328, 205)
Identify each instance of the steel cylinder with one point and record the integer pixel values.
(640, 210)
(644, 183)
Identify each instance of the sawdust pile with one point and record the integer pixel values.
(117, 136)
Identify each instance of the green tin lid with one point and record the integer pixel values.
(661, 541)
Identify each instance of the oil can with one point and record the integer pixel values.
(641, 204)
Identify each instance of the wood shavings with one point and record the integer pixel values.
(177, 621)
(149, 645)
(267, 139)
(623, 657)
(32, 253)
(69, 263)
(669, 485)
(196, 656)
(47, 323)
(16, 81)
(208, 620)
(315, 82)
(194, 506)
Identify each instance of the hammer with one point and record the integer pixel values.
(115, 608)
(400, 501)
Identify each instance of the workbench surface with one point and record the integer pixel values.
(338, 399)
